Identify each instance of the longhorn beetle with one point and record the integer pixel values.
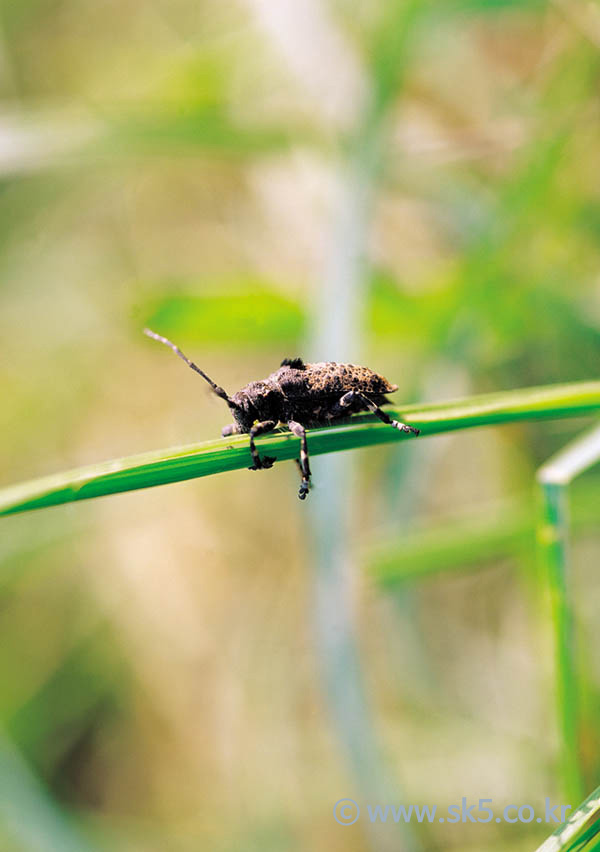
(299, 395)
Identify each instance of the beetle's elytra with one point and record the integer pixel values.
(300, 395)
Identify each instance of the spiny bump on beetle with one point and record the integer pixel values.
(300, 396)
(296, 363)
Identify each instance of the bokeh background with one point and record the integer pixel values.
(410, 185)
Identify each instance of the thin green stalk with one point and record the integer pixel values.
(338, 325)
(554, 478)
(553, 546)
(195, 460)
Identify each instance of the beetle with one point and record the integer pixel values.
(300, 396)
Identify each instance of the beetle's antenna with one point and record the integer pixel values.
(218, 390)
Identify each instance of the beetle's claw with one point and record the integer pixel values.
(403, 427)
(303, 490)
(263, 464)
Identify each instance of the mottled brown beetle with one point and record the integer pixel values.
(300, 396)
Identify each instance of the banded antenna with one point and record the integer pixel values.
(220, 392)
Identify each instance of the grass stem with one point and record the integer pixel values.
(180, 463)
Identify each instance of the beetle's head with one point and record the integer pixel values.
(244, 413)
(257, 401)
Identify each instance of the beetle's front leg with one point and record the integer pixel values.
(260, 429)
(300, 432)
(230, 429)
(352, 396)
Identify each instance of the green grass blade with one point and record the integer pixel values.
(195, 460)
(580, 832)
(553, 545)
(554, 478)
(470, 542)
(576, 458)
(29, 814)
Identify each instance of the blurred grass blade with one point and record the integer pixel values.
(553, 544)
(467, 543)
(574, 459)
(338, 325)
(554, 478)
(580, 832)
(204, 129)
(195, 460)
(27, 812)
(38, 141)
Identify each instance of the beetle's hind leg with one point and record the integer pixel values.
(352, 396)
(299, 431)
(260, 429)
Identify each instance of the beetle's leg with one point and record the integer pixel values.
(230, 429)
(348, 398)
(300, 432)
(260, 429)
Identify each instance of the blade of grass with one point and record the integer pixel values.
(180, 463)
(28, 811)
(554, 478)
(579, 831)
(576, 458)
(469, 542)
(338, 325)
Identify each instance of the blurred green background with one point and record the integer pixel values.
(410, 185)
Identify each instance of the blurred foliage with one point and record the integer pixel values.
(473, 542)
(177, 163)
(250, 314)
